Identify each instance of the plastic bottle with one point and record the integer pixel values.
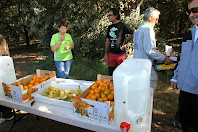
(132, 91)
(7, 71)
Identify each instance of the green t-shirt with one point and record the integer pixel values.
(61, 54)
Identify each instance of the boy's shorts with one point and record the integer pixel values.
(116, 59)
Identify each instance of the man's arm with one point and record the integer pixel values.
(106, 50)
(150, 47)
(130, 37)
(128, 40)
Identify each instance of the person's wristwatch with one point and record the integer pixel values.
(58, 42)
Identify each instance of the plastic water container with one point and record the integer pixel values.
(7, 71)
(132, 92)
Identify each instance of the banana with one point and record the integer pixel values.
(62, 93)
(50, 96)
(51, 93)
(52, 88)
(77, 93)
(56, 93)
(45, 94)
(70, 95)
(64, 97)
(58, 98)
(69, 91)
(47, 91)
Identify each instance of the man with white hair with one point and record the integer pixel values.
(145, 43)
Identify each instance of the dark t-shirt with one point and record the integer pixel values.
(116, 34)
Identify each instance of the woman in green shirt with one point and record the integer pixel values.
(61, 44)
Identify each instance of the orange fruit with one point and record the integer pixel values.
(30, 85)
(93, 86)
(97, 90)
(106, 92)
(112, 92)
(110, 96)
(32, 82)
(51, 76)
(35, 89)
(100, 99)
(25, 87)
(36, 83)
(30, 91)
(92, 99)
(101, 84)
(25, 96)
(40, 81)
(25, 83)
(102, 88)
(96, 84)
(106, 81)
(111, 88)
(30, 97)
(37, 79)
(47, 77)
(41, 77)
(91, 91)
(97, 95)
(89, 95)
(103, 95)
(99, 81)
(18, 83)
(34, 78)
(105, 98)
(94, 96)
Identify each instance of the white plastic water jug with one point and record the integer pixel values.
(7, 71)
(132, 91)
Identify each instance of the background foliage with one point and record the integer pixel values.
(25, 20)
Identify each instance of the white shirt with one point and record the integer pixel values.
(196, 34)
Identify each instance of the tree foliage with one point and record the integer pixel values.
(24, 20)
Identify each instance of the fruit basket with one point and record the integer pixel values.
(21, 91)
(99, 109)
(57, 94)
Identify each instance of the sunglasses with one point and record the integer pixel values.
(193, 10)
(109, 15)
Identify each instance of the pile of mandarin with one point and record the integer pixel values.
(34, 81)
(101, 91)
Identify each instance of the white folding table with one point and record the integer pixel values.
(65, 115)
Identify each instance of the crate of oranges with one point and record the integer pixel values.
(21, 91)
(96, 102)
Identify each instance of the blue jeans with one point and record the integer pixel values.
(63, 68)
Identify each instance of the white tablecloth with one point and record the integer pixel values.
(65, 115)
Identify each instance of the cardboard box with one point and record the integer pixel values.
(17, 93)
(40, 98)
(93, 110)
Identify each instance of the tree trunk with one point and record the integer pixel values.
(26, 36)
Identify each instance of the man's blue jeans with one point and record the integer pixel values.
(63, 68)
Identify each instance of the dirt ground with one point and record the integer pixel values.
(22, 58)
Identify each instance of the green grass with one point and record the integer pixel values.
(80, 69)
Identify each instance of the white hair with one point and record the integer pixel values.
(150, 12)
